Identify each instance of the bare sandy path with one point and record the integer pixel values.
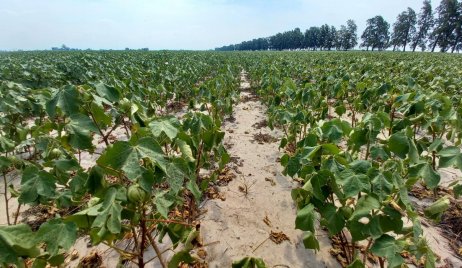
(237, 223)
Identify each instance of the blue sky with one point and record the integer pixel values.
(174, 24)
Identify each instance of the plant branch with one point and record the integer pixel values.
(157, 250)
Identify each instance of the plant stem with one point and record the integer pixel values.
(353, 117)
(382, 262)
(143, 238)
(98, 127)
(392, 117)
(157, 250)
(120, 251)
(16, 215)
(5, 183)
(198, 159)
(135, 237)
(344, 242)
(126, 128)
(353, 251)
(171, 221)
(365, 252)
(368, 148)
(110, 131)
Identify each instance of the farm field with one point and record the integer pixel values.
(219, 159)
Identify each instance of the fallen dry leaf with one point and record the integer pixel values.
(278, 237)
(202, 253)
(267, 221)
(271, 181)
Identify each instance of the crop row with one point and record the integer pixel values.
(360, 133)
(113, 143)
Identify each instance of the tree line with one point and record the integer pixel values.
(426, 30)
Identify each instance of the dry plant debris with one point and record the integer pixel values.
(213, 193)
(264, 138)
(271, 181)
(92, 260)
(261, 124)
(267, 221)
(247, 98)
(231, 119)
(451, 223)
(278, 237)
(225, 176)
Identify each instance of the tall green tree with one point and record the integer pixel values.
(404, 28)
(323, 36)
(444, 35)
(352, 37)
(457, 41)
(376, 35)
(312, 38)
(347, 37)
(341, 39)
(424, 25)
(296, 39)
(332, 38)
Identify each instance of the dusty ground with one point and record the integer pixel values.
(238, 222)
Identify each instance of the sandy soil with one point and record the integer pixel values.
(237, 223)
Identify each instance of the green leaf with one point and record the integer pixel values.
(353, 183)
(17, 241)
(67, 99)
(192, 186)
(358, 138)
(386, 247)
(318, 181)
(340, 110)
(399, 144)
(365, 205)
(169, 126)
(306, 218)
(79, 129)
(36, 183)
(457, 190)
(6, 145)
(109, 214)
(185, 150)
(382, 185)
(180, 257)
(414, 155)
(329, 148)
(57, 235)
(175, 174)
(293, 166)
(332, 131)
(102, 119)
(310, 241)
(360, 166)
(108, 92)
(357, 263)
(378, 153)
(95, 183)
(163, 203)
(5, 163)
(425, 171)
(249, 262)
(436, 210)
(126, 157)
(450, 156)
(332, 219)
